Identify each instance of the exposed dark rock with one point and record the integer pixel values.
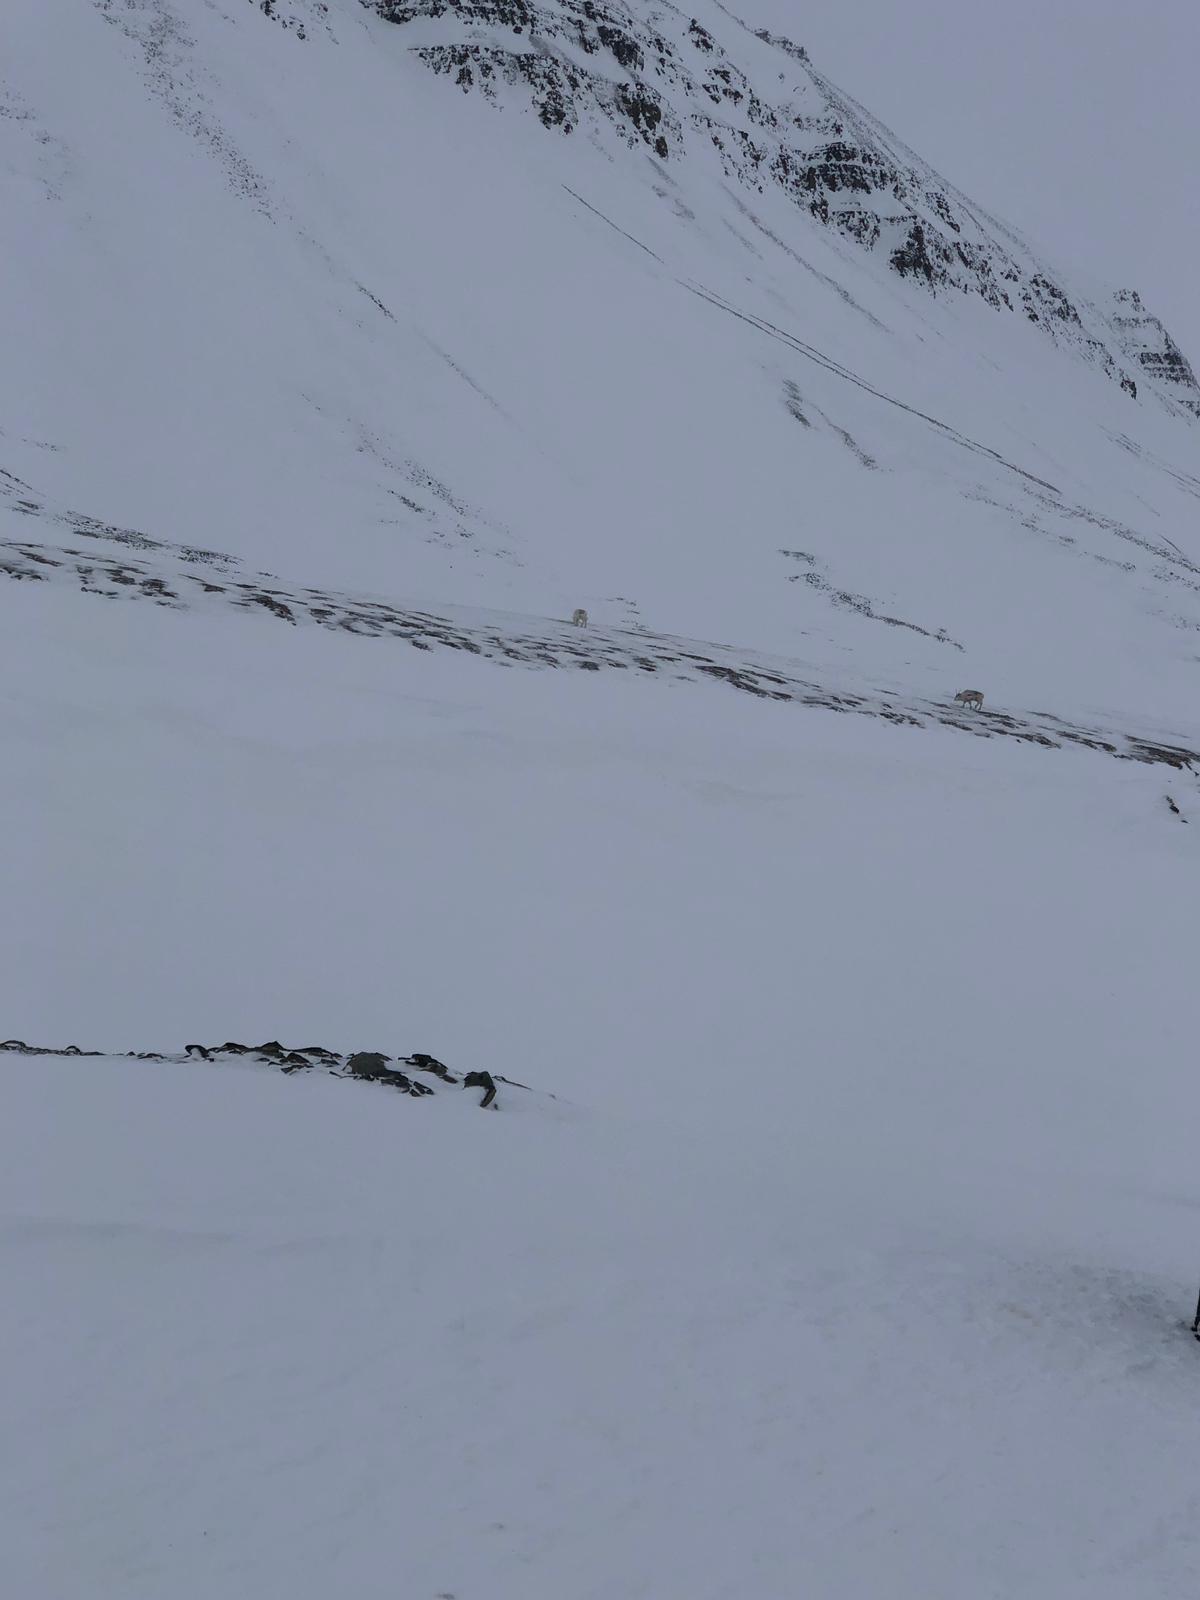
(682, 90)
(781, 42)
(372, 1066)
(913, 255)
(368, 1064)
(424, 1063)
(621, 46)
(283, 12)
(484, 1081)
(539, 645)
(19, 1047)
(270, 603)
(1144, 338)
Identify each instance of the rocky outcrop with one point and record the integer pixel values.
(541, 643)
(1144, 340)
(372, 1067)
(368, 1066)
(484, 45)
(662, 82)
(285, 14)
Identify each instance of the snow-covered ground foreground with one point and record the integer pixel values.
(849, 1258)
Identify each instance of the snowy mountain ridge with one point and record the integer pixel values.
(653, 75)
(532, 368)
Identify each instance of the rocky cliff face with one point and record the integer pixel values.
(1144, 340)
(653, 77)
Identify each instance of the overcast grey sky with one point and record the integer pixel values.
(1077, 120)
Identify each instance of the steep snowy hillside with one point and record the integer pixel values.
(470, 336)
(834, 1229)
(824, 151)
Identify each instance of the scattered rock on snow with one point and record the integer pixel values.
(484, 1081)
(370, 1066)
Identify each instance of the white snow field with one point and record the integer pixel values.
(844, 1238)
(853, 1255)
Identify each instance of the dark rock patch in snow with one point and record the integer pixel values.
(543, 642)
(650, 77)
(368, 1066)
(284, 12)
(175, 77)
(845, 600)
(166, 577)
(372, 1067)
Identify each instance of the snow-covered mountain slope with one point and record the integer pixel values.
(183, 578)
(841, 1240)
(285, 292)
(657, 76)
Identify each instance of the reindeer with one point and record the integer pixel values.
(579, 617)
(969, 697)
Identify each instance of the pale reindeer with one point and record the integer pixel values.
(969, 697)
(579, 617)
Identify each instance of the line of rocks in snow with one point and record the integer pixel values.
(186, 578)
(368, 1066)
(550, 645)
